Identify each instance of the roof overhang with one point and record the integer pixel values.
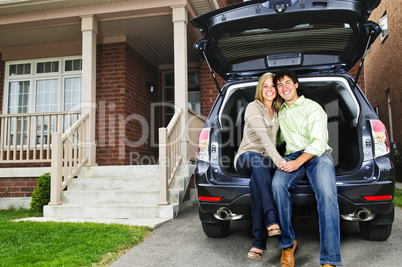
(145, 25)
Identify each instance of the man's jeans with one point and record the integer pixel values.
(321, 174)
(264, 213)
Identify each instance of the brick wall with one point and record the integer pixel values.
(383, 67)
(361, 81)
(143, 124)
(124, 107)
(208, 90)
(110, 100)
(17, 187)
(223, 3)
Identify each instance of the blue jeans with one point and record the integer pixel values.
(263, 210)
(321, 174)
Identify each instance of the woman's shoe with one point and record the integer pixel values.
(254, 255)
(275, 231)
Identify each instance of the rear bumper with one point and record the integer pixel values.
(350, 199)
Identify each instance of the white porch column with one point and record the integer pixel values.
(180, 21)
(89, 28)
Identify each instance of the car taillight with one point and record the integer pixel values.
(380, 137)
(378, 198)
(203, 145)
(214, 199)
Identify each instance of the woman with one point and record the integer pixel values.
(257, 157)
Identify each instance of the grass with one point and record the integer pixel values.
(398, 197)
(63, 244)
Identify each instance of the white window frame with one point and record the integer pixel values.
(61, 75)
(384, 26)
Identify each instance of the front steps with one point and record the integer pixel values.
(121, 193)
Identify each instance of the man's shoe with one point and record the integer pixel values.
(328, 265)
(288, 256)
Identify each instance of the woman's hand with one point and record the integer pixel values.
(282, 164)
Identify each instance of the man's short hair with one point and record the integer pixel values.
(286, 72)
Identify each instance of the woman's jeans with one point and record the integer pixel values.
(264, 213)
(321, 174)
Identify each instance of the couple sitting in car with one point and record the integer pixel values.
(302, 125)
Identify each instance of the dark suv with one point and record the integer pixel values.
(321, 41)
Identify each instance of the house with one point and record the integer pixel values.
(99, 87)
(382, 74)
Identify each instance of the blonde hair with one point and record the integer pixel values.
(276, 104)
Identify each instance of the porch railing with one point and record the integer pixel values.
(170, 147)
(195, 124)
(69, 154)
(27, 137)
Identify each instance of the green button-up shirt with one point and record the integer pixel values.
(303, 126)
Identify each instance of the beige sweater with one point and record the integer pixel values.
(260, 132)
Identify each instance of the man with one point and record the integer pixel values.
(303, 126)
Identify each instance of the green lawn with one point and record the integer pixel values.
(398, 197)
(63, 244)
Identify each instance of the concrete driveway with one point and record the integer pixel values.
(181, 242)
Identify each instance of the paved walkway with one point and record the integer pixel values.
(181, 242)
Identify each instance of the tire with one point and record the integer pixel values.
(216, 230)
(375, 232)
(379, 229)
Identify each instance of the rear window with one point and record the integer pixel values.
(322, 39)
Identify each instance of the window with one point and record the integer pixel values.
(194, 91)
(42, 86)
(38, 86)
(194, 101)
(168, 94)
(384, 26)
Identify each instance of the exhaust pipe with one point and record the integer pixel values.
(360, 215)
(364, 215)
(224, 214)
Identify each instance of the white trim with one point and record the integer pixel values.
(391, 134)
(384, 27)
(23, 172)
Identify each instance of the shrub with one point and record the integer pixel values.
(41, 195)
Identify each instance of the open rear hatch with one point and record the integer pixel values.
(304, 35)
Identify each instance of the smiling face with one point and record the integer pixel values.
(269, 90)
(287, 89)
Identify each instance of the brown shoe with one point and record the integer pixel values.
(288, 256)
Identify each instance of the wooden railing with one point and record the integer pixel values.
(170, 147)
(69, 154)
(27, 137)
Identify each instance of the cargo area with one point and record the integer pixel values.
(334, 95)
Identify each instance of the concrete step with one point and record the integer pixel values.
(132, 171)
(110, 211)
(109, 196)
(179, 182)
(176, 195)
(116, 183)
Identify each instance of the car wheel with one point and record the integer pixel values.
(216, 230)
(375, 232)
(380, 228)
